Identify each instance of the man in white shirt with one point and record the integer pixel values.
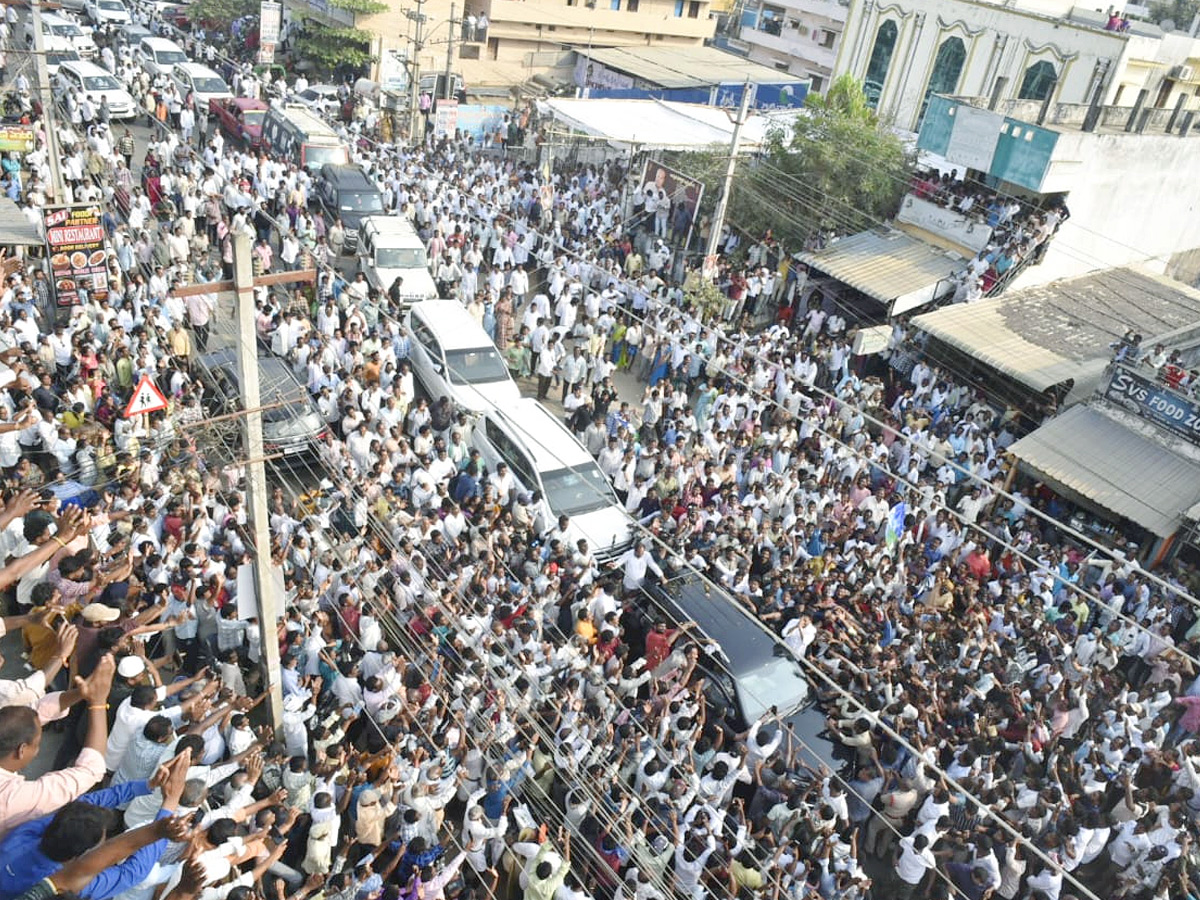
(635, 564)
(913, 861)
(140, 707)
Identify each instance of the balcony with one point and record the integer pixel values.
(796, 43)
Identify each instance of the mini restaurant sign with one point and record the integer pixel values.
(78, 258)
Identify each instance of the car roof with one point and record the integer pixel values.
(542, 434)
(347, 175)
(275, 378)
(159, 43)
(453, 325)
(246, 103)
(52, 19)
(85, 68)
(195, 68)
(393, 225)
(301, 117)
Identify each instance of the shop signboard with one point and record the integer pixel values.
(1155, 402)
(16, 138)
(78, 258)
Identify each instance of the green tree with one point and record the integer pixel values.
(221, 11)
(338, 46)
(837, 168)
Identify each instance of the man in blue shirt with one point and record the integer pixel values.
(38, 849)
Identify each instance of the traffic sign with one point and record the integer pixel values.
(147, 398)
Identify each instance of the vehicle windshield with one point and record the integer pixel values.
(482, 366)
(101, 83)
(317, 155)
(57, 57)
(68, 30)
(169, 57)
(777, 682)
(400, 258)
(112, 5)
(208, 85)
(254, 117)
(360, 201)
(573, 492)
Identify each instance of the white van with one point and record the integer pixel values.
(93, 81)
(544, 456)
(158, 56)
(389, 247)
(452, 356)
(59, 33)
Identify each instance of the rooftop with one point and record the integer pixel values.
(1047, 335)
(684, 67)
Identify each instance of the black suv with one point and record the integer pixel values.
(346, 193)
(747, 668)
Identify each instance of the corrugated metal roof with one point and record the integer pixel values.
(884, 263)
(685, 67)
(1047, 335)
(1114, 466)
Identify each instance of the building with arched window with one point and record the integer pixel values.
(906, 51)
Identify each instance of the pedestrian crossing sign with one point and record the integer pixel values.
(147, 398)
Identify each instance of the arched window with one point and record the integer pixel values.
(1038, 81)
(947, 67)
(881, 60)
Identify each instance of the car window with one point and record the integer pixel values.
(477, 366)
(511, 454)
(577, 490)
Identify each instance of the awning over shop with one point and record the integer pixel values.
(895, 268)
(1114, 466)
(15, 228)
(658, 124)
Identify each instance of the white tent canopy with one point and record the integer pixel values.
(661, 124)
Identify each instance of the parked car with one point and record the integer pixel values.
(131, 35)
(747, 668)
(346, 192)
(543, 456)
(201, 82)
(390, 248)
(452, 356)
(98, 83)
(55, 58)
(158, 56)
(320, 98)
(239, 117)
(59, 33)
(290, 428)
(107, 12)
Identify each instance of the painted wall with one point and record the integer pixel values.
(1123, 210)
(998, 42)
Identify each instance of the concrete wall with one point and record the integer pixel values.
(1000, 41)
(1122, 209)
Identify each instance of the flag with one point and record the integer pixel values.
(895, 525)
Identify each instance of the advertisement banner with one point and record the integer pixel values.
(477, 119)
(673, 199)
(78, 259)
(446, 118)
(270, 20)
(1155, 402)
(17, 138)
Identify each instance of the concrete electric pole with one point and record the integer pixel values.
(718, 222)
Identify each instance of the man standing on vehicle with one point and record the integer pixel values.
(635, 563)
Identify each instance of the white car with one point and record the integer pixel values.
(59, 33)
(97, 83)
(320, 98)
(201, 82)
(108, 12)
(158, 56)
(55, 58)
(452, 356)
(543, 456)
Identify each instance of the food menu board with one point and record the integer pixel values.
(78, 258)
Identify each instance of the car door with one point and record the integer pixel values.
(428, 363)
(506, 449)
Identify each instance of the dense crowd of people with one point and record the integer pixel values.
(474, 704)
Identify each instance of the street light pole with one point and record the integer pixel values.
(415, 74)
(718, 222)
(447, 92)
(47, 101)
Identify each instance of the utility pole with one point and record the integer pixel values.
(47, 101)
(718, 222)
(270, 605)
(447, 91)
(416, 134)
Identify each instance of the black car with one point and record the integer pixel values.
(747, 668)
(346, 193)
